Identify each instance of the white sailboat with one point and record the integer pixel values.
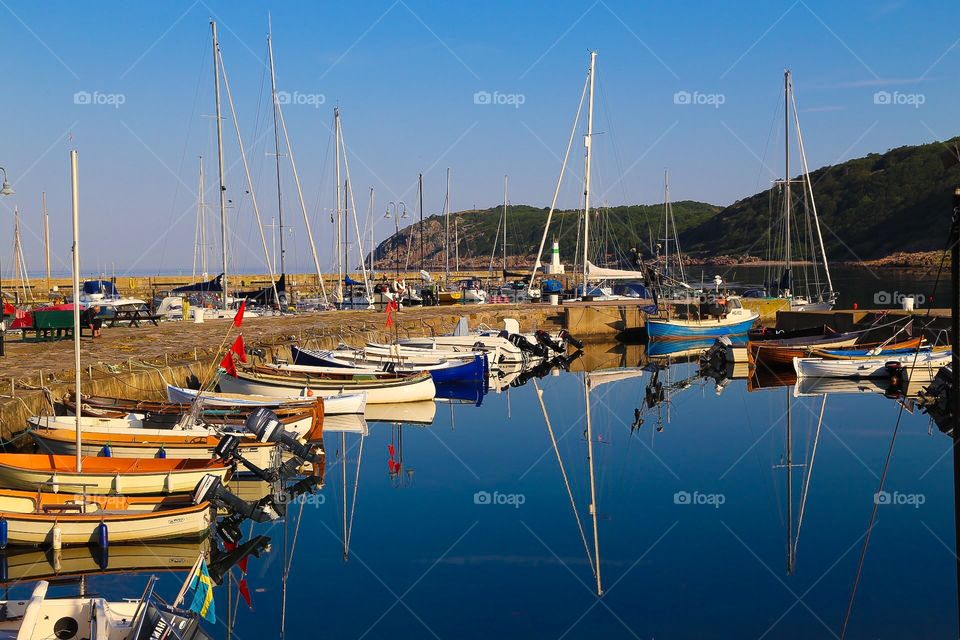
(593, 277)
(806, 292)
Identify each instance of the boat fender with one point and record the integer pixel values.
(161, 453)
(4, 570)
(103, 536)
(4, 537)
(103, 557)
(56, 537)
(105, 451)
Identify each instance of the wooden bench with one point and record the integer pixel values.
(53, 325)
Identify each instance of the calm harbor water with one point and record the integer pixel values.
(697, 533)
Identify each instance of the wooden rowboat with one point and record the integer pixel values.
(380, 387)
(37, 518)
(332, 405)
(55, 434)
(129, 476)
(916, 365)
(780, 353)
(302, 420)
(26, 564)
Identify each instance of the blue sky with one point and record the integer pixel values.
(405, 75)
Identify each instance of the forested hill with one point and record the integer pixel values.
(869, 207)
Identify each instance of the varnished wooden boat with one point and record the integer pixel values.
(57, 434)
(38, 518)
(780, 353)
(380, 387)
(128, 476)
(301, 420)
(332, 405)
(25, 564)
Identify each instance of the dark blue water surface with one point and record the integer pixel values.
(692, 523)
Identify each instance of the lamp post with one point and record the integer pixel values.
(5, 190)
(401, 208)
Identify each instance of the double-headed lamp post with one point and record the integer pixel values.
(5, 190)
(401, 209)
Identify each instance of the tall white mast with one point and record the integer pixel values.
(373, 246)
(340, 239)
(446, 235)
(456, 242)
(223, 188)
(276, 140)
(46, 235)
(588, 142)
(202, 223)
(75, 201)
(505, 182)
(786, 177)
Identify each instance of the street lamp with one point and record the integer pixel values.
(5, 190)
(402, 207)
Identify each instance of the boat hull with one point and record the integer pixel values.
(924, 364)
(685, 329)
(332, 405)
(129, 479)
(408, 389)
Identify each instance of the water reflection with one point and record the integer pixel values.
(596, 502)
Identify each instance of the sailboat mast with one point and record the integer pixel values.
(46, 235)
(593, 483)
(588, 143)
(420, 187)
(223, 188)
(276, 139)
(456, 243)
(786, 177)
(446, 232)
(202, 218)
(75, 201)
(373, 247)
(505, 182)
(666, 222)
(340, 239)
(789, 486)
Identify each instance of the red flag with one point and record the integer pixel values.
(391, 307)
(391, 450)
(245, 592)
(228, 364)
(238, 319)
(237, 348)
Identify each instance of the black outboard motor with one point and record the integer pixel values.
(525, 345)
(569, 339)
(544, 338)
(936, 399)
(265, 425)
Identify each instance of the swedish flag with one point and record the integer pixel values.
(202, 587)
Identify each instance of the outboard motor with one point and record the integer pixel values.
(265, 425)
(544, 338)
(936, 399)
(525, 345)
(569, 339)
